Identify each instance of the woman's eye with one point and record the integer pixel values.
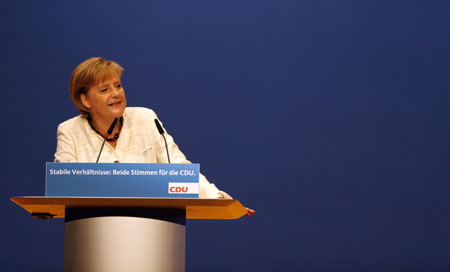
(103, 90)
(119, 85)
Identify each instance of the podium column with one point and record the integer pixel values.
(124, 239)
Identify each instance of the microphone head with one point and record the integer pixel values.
(158, 125)
(111, 128)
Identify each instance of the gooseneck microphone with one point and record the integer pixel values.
(110, 130)
(161, 131)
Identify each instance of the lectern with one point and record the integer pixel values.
(107, 232)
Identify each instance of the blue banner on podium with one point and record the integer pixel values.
(122, 180)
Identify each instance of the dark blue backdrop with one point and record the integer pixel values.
(330, 118)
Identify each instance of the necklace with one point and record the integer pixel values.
(112, 139)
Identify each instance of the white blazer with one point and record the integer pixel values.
(139, 142)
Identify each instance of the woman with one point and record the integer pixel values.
(97, 92)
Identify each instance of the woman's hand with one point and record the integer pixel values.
(250, 212)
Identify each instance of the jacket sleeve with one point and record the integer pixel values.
(206, 189)
(65, 147)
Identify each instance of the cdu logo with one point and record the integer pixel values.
(183, 188)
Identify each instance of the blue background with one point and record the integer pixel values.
(329, 118)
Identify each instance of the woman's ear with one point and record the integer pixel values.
(85, 101)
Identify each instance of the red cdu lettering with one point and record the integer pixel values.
(178, 189)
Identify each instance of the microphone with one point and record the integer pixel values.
(110, 130)
(158, 125)
(161, 131)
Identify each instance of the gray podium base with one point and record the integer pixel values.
(106, 240)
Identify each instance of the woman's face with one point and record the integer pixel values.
(105, 100)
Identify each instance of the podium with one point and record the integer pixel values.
(125, 233)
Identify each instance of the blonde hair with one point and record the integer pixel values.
(88, 73)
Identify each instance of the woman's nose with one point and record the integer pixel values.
(115, 91)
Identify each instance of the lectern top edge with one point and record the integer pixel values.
(195, 208)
